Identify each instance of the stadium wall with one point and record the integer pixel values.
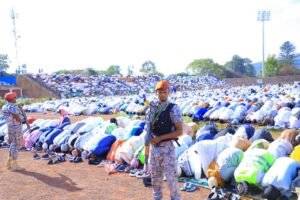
(32, 89)
(6, 89)
(267, 80)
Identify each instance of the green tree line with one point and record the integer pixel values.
(283, 64)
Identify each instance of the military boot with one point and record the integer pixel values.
(8, 163)
(15, 166)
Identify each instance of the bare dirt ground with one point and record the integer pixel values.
(68, 181)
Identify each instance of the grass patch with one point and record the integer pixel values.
(187, 120)
(25, 101)
(31, 101)
(114, 115)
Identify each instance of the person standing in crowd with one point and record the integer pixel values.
(14, 117)
(164, 125)
(64, 117)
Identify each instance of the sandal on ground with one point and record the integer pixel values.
(94, 162)
(188, 187)
(36, 156)
(59, 159)
(127, 169)
(77, 160)
(183, 188)
(216, 194)
(120, 168)
(191, 188)
(232, 196)
(103, 163)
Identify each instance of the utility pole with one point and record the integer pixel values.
(263, 16)
(13, 17)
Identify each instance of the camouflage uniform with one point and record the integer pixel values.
(14, 128)
(162, 156)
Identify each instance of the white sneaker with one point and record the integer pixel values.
(143, 175)
(133, 172)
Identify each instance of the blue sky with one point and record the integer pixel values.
(73, 34)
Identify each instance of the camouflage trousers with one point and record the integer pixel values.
(163, 162)
(15, 139)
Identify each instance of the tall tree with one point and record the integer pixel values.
(272, 66)
(241, 66)
(236, 64)
(287, 53)
(180, 74)
(205, 66)
(157, 73)
(3, 63)
(148, 67)
(91, 71)
(249, 68)
(201, 66)
(113, 69)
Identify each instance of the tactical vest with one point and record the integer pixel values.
(163, 124)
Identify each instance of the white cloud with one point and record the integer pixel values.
(75, 34)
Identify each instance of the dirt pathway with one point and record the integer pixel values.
(68, 181)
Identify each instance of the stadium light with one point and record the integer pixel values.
(263, 16)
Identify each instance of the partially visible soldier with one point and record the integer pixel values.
(14, 117)
(164, 125)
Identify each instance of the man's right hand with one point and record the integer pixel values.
(20, 106)
(147, 152)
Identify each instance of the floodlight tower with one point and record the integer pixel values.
(263, 16)
(13, 17)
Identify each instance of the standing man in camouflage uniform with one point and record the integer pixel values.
(164, 125)
(14, 117)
